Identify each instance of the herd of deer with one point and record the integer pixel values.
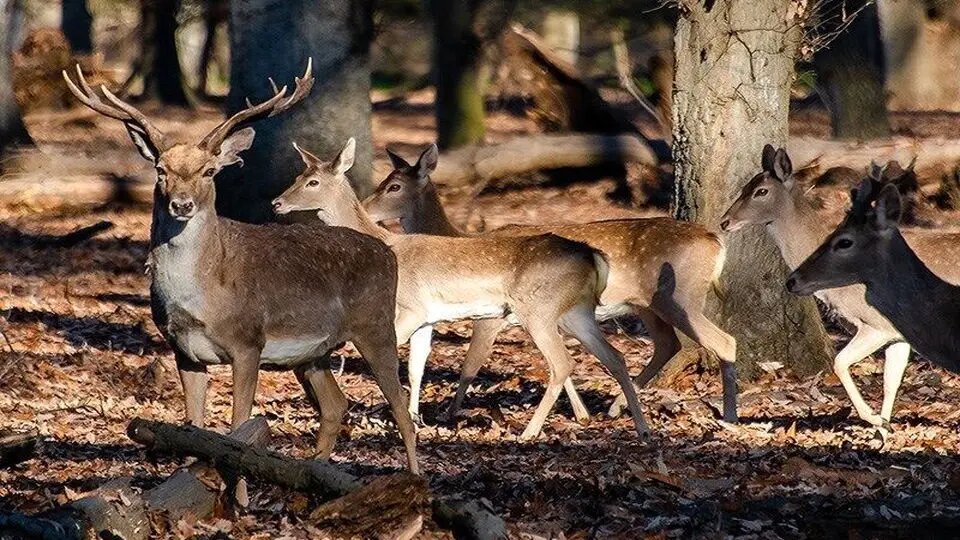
(288, 296)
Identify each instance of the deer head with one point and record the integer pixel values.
(321, 185)
(185, 172)
(399, 193)
(762, 199)
(853, 252)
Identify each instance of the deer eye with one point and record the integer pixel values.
(843, 243)
(393, 188)
(209, 172)
(313, 183)
(762, 192)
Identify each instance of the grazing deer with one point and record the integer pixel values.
(258, 296)
(660, 269)
(868, 249)
(545, 281)
(772, 198)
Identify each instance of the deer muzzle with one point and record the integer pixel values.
(182, 208)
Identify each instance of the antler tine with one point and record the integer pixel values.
(89, 98)
(155, 135)
(276, 104)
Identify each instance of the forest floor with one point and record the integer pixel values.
(83, 358)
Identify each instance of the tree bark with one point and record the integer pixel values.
(75, 22)
(13, 132)
(734, 65)
(336, 34)
(160, 63)
(921, 42)
(850, 76)
(215, 13)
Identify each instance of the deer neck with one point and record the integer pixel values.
(798, 230)
(183, 252)
(429, 216)
(345, 210)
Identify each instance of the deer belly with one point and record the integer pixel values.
(292, 351)
(439, 311)
(606, 312)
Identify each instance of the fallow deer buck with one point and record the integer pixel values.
(258, 296)
(868, 249)
(772, 199)
(545, 281)
(660, 269)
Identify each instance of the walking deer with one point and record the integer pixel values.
(867, 248)
(772, 199)
(545, 281)
(258, 296)
(660, 269)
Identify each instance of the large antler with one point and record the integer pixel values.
(117, 109)
(271, 107)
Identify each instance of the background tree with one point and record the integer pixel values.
(461, 28)
(734, 67)
(850, 70)
(75, 22)
(336, 34)
(159, 61)
(12, 130)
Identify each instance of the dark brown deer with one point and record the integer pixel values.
(661, 269)
(258, 296)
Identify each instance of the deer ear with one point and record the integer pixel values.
(308, 158)
(782, 167)
(766, 158)
(143, 144)
(888, 210)
(345, 159)
(427, 163)
(396, 161)
(231, 147)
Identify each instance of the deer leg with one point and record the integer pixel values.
(419, 352)
(665, 346)
(481, 344)
(581, 322)
(194, 378)
(897, 356)
(246, 369)
(380, 351)
(864, 342)
(548, 340)
(325, 395)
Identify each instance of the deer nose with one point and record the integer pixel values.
(724, 225)
(277, 203)
(181, 207)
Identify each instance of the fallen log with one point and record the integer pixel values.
(483, 164)
(17, 446)
(359, 508)
(935, 157)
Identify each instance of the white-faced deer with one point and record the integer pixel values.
(772, 199)
(867, 248)
(545, 281)
(660, 269)
(258, 296)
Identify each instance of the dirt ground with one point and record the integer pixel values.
(83, 358)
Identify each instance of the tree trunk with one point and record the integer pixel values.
(731, 96)
(12, 130)
(561, 31)
(456, 66)
(75, 23)
(214, 13)
(850, 77)
(336, 34)
(921, 42)
(162, 77)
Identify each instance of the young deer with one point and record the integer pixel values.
(545, 281)
(258, 296)
(660, 269)
(772, 199)
(868, 249)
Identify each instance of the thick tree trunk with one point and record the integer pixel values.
(215, 12)
(160, 64)
(456, 68)
(850, 77)
(75, 23)
(921, 40)
(734, 65)
(12, 130)
(336, 34)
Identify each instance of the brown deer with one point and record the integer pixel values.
(660, 269)
(258, 296)
(868, 249)
(544, 281)
(773, 199)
